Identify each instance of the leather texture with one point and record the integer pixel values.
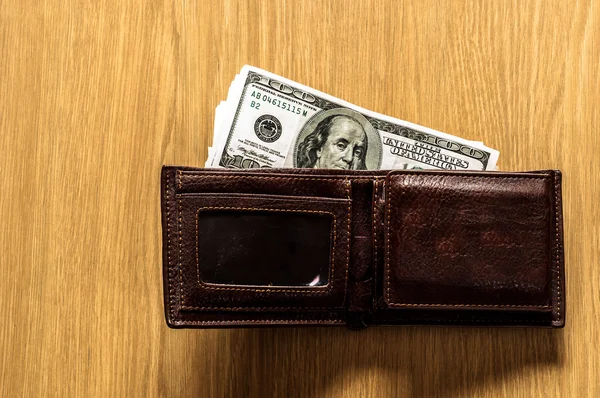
(359, 248)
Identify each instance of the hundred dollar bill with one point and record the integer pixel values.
(269, 121)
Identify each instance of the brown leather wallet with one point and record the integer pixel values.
(359, 248)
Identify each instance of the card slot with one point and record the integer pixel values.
(232, 232)
(271, 184)
(251, 196)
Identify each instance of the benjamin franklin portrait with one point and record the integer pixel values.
(338, 139)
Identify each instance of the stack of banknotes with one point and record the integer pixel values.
(269, 121)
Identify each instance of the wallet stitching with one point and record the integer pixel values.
(522, 306)
(182, 297)
(499, 322)
(336, 178)
(331, 260)
(262, 321)
(557, 260)
(179, 232)
(374, 232)
(376, 178)
(387, 216)
(169, 264)
(420, 174)
(250, 308)
(340, 321)
(191, 177)
(387, 254)
(348, 236)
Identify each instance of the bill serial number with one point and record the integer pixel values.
(275, 102)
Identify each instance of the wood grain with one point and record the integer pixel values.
(96, 96)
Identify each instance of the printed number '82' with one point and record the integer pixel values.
(255, 105)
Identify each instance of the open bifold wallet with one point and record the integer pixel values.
(359, 248)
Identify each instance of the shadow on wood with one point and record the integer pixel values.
(402, 361)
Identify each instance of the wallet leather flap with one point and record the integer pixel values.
(473, 241)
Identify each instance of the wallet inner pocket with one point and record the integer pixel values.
(470, 242)
(247, 251)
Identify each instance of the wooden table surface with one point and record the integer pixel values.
(96, 96)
